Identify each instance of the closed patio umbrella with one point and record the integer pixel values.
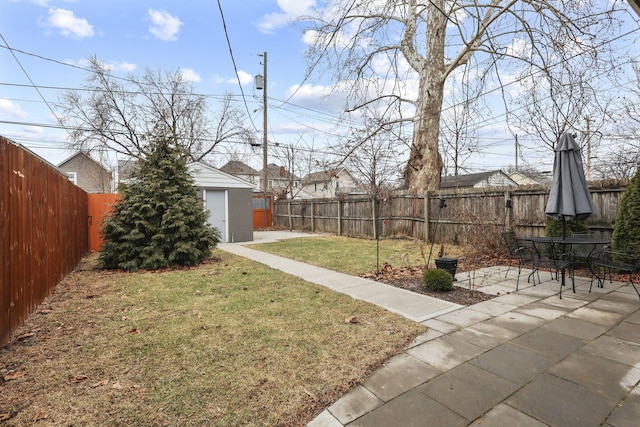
(569, 196)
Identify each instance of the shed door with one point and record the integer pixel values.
(216, 202)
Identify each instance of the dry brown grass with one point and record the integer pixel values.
(230, 343)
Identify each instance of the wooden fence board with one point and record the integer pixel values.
(44, 232)
(470, 215)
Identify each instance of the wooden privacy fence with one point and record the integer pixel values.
(469, 216)
(100, 205)
(43, 225)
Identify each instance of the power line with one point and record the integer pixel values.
(235, 68)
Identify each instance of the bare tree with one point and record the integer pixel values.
(124, 115)
(411, 48)
(459, 122)
(375, 159)
(620, 163)
(299, 161)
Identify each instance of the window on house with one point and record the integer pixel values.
(73, 177)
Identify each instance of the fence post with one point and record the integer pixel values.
(290, 221)
(508, 212)
(427, 228)
(312, 219)
(373, 215)
(339, 217)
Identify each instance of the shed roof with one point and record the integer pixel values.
(206, 176)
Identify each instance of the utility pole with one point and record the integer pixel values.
(265, 163)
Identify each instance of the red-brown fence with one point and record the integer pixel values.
(100, 205)
(262, 211)
(43, 230)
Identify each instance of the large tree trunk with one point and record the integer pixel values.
(425, 163)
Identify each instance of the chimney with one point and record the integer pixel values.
(283, 172)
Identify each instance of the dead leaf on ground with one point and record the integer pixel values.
(351, 319)
(40, 416)
(25, 336)
(78, 378)
(14, 375)
(134, 331)
(4, 417)
(100, 383)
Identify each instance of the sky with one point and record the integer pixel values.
(45, 43)
(51, 38)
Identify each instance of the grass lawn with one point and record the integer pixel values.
(229, 343)
(355, 256)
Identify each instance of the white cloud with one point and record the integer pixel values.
(10, 108)
(164, 25)
(68, 24)
(244, 77)
(189, 75)
(111, 66)
(289, 10)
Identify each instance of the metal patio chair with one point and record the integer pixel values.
(520, 252)
(607, 261)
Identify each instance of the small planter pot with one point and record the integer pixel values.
(448, 264)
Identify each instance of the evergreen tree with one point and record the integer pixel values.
(626, 229)
(158, 221)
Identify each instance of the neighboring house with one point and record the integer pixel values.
(87, 173)
(125, 168)
(279, 180)
(242, 171)
(495, 178)
(331, 183)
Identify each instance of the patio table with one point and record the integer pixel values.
(564, 259)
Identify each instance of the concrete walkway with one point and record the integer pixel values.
(525, 358)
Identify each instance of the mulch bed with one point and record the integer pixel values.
(410, 278)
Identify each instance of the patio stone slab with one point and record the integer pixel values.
(513, 363)
(412, 409)
(626, 414)
(576, 328)
(516, 298)
(398, 376)
(549, 343)
(493, 308)
(615, 306)
(518, 322)
(325, 419)
(445, 352)
(464, 317)
(617, 349)
(440, 326)
(427, 336)
(354, 404)
(626, 331)
(568, 302)
(599, 317)
(634, 318)
(468, 390)
(485, 335)
(503, 415)
(561, 403)
(543, 311)
(610, 378)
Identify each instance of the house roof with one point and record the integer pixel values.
(472, 179)
(236, 167)
(275, 172)
(80, 154)
(324, 176)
